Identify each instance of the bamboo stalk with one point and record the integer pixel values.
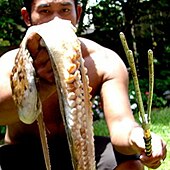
(131, 62)
(151, 83)
(145, 121)
(136, 84)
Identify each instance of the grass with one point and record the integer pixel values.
(160, 125)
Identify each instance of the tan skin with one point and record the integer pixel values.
(108, 77)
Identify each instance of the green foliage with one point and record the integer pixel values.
(145, 24)
(100, 128)
(2, 134)
(8, 28)
(11, 25)
(97, 108)
(160, 125)
(2, 129)
(159, 100)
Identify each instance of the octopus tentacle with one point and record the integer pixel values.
(72, 85)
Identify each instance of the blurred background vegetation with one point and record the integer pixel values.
(145, 24)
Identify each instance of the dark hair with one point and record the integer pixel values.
(28, 4)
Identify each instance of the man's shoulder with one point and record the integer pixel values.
(11, 54)
(92, 48)
(95, 49)
(7, 59)
(89, 43)
(107, 62)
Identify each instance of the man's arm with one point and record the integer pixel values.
(8, 110)
(116, 103)
(126, 135)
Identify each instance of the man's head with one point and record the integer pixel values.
(28, 3)
(40, 11)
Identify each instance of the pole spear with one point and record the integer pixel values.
(145, 117)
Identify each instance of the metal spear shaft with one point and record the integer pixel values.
(145, 117)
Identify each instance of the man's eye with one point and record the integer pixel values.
(66, 10)
(44, 11)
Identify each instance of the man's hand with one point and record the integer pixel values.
(158, 153)
(158, 148)
(41, 59)
(42, 65)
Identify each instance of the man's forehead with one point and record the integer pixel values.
(52, 1)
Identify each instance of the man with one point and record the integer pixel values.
(108, 77)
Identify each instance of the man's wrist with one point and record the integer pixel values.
(135, 133)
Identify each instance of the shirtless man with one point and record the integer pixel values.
(108, 77)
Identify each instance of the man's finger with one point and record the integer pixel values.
(33, 43)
